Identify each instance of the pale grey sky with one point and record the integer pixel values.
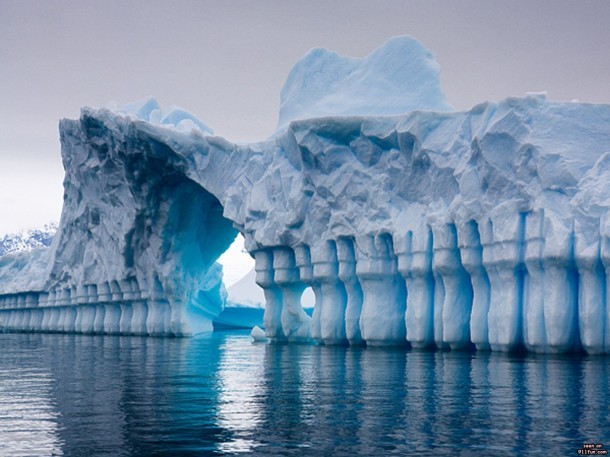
(226, 61)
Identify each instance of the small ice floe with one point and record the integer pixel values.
(258, 335)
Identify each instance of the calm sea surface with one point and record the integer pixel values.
(221, 395)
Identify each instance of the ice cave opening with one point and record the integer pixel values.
(194, 234)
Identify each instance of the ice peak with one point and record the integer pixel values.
(175, 118)
(398, 77)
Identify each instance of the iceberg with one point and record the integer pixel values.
(412, 224)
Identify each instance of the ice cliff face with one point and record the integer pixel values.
(485, 228)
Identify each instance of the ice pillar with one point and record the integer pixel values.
(471, 253)
(454, 321)
(263, 265)
(295, 322)
(140, 298)
(303, 261)
(560, 287)
(534, 327)
(502, 242)
(346, 257)
(592, 300)
(333, 295)
(414, 253)
(605, 315)
(158, 309)
(384, 294)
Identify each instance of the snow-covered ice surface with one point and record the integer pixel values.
(398, 77)
(450, 229)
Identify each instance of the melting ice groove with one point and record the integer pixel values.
(410, 222)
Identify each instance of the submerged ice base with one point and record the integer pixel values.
(487, 228)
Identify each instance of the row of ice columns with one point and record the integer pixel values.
(446, 287)
(113, 307)
(27, 299)
(446, 284)
(495, 284)
(88, 319)
(361, 295)
(535, 296)
(283, 274)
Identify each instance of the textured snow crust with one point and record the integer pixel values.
(485, 228)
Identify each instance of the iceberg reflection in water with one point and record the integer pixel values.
(221, 395)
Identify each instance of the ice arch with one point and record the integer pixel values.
(194, 235)
(137, 245)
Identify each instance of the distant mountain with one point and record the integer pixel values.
(26, 241)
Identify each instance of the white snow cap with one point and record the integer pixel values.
(398, 77)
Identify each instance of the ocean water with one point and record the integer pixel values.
(219, 394)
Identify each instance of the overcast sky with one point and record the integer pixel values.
(226, 61)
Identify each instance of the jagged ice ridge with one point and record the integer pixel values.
(411, 223)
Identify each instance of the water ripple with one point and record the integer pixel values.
(221, 395)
